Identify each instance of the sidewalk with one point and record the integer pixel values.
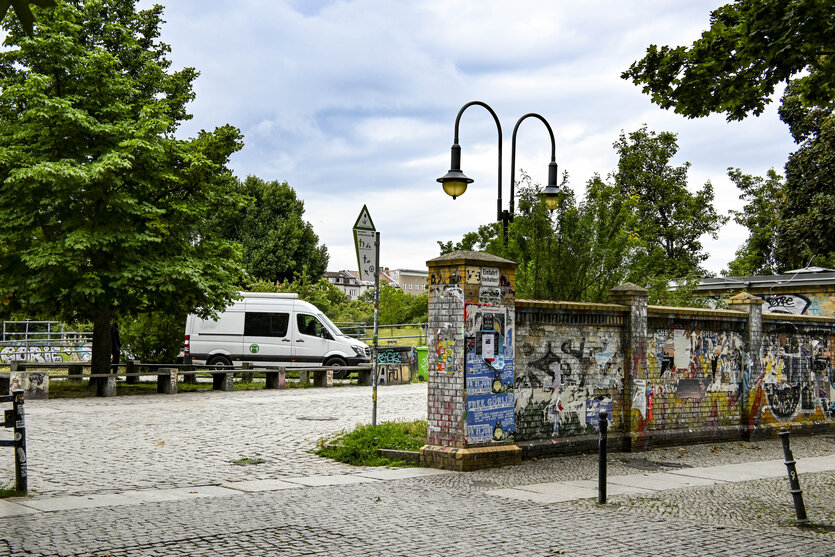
(636, 484)
(542, 493)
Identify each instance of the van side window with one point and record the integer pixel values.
(309, 325)
(266, 324)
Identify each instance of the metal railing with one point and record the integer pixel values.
(42, 341)
(364, 332)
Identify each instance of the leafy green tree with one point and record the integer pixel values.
(761, 216)
(397, 307)
(154, 337)
(669, 220)
(102, 210)
(806, 225)
(750, 48)
(577, 253)
(276, 242)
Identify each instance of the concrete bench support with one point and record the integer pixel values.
(323, 378)
(223, 381)
(276, 379)
(167, 382)
(34, 384)
(365, 377)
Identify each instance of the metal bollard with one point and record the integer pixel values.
(601, 464)
(794, 482)
(20, 474)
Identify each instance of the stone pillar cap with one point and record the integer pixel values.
(745, 298)
(462, 256)
(627, 289)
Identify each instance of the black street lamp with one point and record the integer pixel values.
(455, 181)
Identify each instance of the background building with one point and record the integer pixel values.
(808, 291)
(411, 281)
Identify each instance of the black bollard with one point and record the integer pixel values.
(794, 482)
(601, 465)
(21, 483)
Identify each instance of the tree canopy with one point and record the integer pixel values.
(276, 241)
(761, 216)
(670, 220)
(103, 211)
(806, 227)
(734, 67)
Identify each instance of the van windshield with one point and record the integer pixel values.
(334, 329)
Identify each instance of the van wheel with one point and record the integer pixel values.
(219, 361)
(338, 373)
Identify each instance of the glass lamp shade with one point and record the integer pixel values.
(551, 195)
(455, 188)
(455, 183)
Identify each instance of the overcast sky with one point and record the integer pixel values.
(354, 102)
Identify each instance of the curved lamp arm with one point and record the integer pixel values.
(455, 176)
(551, 190)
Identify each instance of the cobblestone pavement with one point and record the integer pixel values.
(103, 446)
(99, 445)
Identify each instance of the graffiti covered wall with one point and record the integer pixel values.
(693, 377)
(569, 368)
(540, 373)
(796, 378)
(45, 353)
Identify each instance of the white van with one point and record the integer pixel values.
(271, 329)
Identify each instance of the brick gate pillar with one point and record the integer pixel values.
(635, 337)
(752, 365)
(471, 405)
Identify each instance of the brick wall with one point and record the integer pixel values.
(663, 375)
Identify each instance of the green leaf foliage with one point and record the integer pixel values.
(669, 219)
(103, 211)
(806, 227)
(276, 242)
(761, 216)
(750, 48)
(154, 338)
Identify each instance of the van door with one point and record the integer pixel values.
(267, 338)
(312, 340)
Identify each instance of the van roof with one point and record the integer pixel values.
(270, 295)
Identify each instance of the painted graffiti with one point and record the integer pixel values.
(680, 354)
(795, 304)
(795, 373)
(390, 356)
(47, 353)
(568, 379)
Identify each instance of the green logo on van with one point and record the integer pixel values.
(253, 348)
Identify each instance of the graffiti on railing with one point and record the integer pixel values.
(394, 356)
(63, 352)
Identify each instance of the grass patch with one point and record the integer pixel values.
(10, 492)
(359, 447)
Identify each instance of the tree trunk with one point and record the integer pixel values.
(100, 361)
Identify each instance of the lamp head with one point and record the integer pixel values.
(552, 194)
(455, 182)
